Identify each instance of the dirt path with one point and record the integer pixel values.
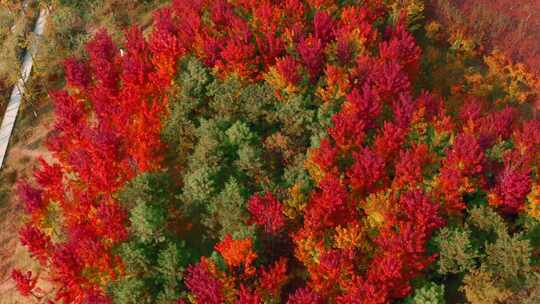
(10, 116)
(17, 163)
(22, 157)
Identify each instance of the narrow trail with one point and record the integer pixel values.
(19, 160)
(10, 116)
(13, 254)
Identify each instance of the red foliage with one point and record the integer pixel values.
(267, 211)
(204, 287)
(37, 242)
(311, 53)
(49, 177)
(402, 47)
(527, 141)
(103, 54)
(409, 166)
(106, 131)
(507, 25)
(463, 162)
(329, 206)
(364, 103)
(323, 26)
(209, 284)
(31, 197)
(237, 253)
(360, 236)
(406, 221)
(367, 170)
(389, 140)
(347, 130)
(76, 73)
(25, 283)
(388, 80)
(247, 297)
(513, 183)
(274, 278)
(305, 296)
(325, 157)
(289, 69)
(402, 256)
(512, 188)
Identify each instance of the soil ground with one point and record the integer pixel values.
(20, 161)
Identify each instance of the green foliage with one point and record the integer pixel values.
(67, 33)
(487, 221)
(239, 134)
(531, 228)
(495, 263)
(7, 179)
(130, 291)
(225, 158)
(199, 186)
(223, 166)
(456, 250)
(297, 115)
(79, 4)
(155, 272)
(178, 129)
(15, 26)
(134, 255)
(148, 221)
(230, 100)
(480, 288)
(209, 148)
(430, 293)
(509, 258)
(249, 159)
(150, 188)
(180, 126)
(171, 263)
(223, 155)
(228, 210)
(194, 78)
(207, 122)
(154, 257)
(296, 172)
(531, 295)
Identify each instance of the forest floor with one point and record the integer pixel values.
(22, 158)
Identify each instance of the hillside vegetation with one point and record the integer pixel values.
(284, 152)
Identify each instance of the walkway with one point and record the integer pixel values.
(12, 109)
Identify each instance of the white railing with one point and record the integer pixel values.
(10, 116)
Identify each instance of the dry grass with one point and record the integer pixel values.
(20, 160)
